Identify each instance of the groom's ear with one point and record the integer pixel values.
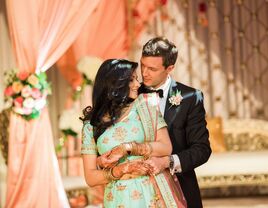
(170, 68)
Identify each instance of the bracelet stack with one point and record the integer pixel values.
(109, 175)
(134, 148)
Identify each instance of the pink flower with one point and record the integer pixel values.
(36, 93)
(27, 111)
(23, 75)
(18, 101)
(26, 91)
(9, 91)
(22, 111)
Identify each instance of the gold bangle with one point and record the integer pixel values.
(112, 176)
(106, 175)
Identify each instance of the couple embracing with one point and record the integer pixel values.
(143, 141)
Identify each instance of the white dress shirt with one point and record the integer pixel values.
(165, 88)
(162, 105)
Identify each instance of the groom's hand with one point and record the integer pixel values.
(158, 163)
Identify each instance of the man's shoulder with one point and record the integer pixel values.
(185, 88)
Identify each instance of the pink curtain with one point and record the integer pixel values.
(104, 35)
(41, 31)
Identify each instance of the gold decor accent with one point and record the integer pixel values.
(243, 66)
(241, 33)
(254, 15)
(212, 3)
(256, 48)
(216, 66)
(217, 143)
(204, 83)
(246, 142)
(239, 2)
(232, 180)
(201, 50)
(4, 134)
(232, 114)
(214, 35)
(226, 18)
(245, 97)
(217, 98)
(245, 134)
(230, 79)
(185, 4)
(258, 80)
(228, 50)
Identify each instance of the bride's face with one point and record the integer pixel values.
(134, 85)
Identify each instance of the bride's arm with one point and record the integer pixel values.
(161, 147)
(96, 177)
(92, 175)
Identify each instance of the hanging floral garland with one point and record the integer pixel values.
(26, 93)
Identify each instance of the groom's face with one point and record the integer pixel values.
(154, 74)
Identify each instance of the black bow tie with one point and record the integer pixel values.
(144, 89)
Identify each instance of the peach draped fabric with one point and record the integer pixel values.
(41, 31)
(33, 174)
(104, 35)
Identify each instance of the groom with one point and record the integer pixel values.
(184, 113)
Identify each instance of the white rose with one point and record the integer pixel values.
(69, 119)
(28, 102)
(40, 103)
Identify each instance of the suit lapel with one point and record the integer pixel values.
(171, 111)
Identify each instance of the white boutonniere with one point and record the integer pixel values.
(175, 98)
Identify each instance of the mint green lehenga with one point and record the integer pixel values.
(142, 191)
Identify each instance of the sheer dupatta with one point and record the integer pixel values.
(168, 190)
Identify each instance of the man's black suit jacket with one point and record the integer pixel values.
(189, 135)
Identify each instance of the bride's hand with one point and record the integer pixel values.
(136, 167)
(110, 158)
(103, 160)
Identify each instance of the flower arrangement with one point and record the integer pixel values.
(175, 98)
(69, 125)
(88, 66)
(26, 93)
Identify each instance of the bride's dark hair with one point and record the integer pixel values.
(110, 94)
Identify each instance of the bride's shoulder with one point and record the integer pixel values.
(149, 98)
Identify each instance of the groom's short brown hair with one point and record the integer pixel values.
(161, 47)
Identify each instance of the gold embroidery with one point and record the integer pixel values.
(135, 130)
(120, 134)
(110, 196)
(105, 140)
(136, 195)
(152, 204)
(146, 181)
(121, 187)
